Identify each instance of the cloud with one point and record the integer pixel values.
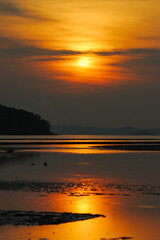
(9, 8)
(48, 59)
(16, 48)
(34, 51)
(131, 51)
(144, 53)
(134, 57)
(43, 239)
(149, 58)
(120, 238)
(138, 60)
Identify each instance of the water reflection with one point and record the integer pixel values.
(121, 219)
(83, 149)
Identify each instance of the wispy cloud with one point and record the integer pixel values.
(48, 59)
(16, 48)
(143, 53)
(10, 8)
(130, 51)
(43, 239)
(141, 57)
(134, 57)
(33, 51)
(138, 60)
(120, 238)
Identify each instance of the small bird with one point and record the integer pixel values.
(45, 164)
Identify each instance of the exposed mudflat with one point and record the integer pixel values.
(31, 218)
(132, 146)
(80, 188)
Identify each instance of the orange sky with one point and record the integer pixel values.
(63, 34)
(68, 47)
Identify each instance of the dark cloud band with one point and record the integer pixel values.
(9, 8)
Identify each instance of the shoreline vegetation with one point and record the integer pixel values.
(20, 122)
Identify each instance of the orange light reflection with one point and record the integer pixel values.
(121, 220)
(76, 148)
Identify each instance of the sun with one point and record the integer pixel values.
(83, 62)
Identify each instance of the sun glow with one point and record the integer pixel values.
(83, 62)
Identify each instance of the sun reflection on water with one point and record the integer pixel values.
(121, 219)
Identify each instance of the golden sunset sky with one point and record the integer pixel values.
(76, 54)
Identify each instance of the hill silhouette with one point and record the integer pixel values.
(81, 130)
(20, 122)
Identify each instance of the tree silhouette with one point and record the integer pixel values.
(20, 122)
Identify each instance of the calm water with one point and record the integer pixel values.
(74, 174)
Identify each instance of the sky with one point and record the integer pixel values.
(82, 62)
